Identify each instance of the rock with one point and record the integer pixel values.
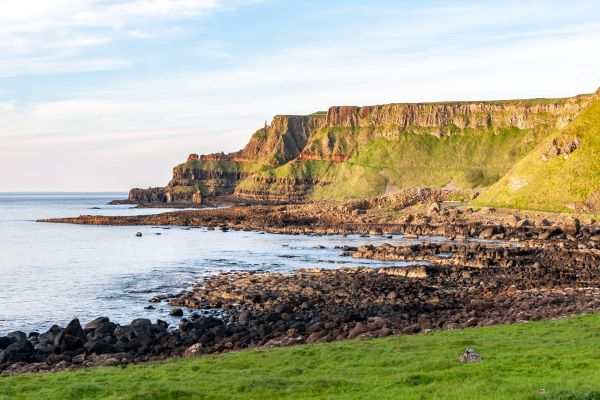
(99, 346)
(487, 233)
(469, 356)
(570, 225)
(193, 351)
(185, 325)
(176, 312)
(434, 208)
(5, 341)
(358, 329)
(285, 341)
(64, 364)
(162, 324)
(141, 325)
(541, 223)
(111, 362)
(17, 336)
(244, 316)
(74, 329)
(103, 329)
(72, 337)
(138, 234)
(207, 323)
(78, 359)
(17, 351)
(513, 220)
(93, 325)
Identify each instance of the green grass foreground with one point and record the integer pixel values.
(561, 357)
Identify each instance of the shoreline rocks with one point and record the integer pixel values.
(492, 269)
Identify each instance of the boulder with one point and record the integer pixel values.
(570, 225)
(72, 337)
(176, 312)
(99, 346)
(193, 351)
(185, 325)
(434, 208)
(93, 325)
(207, 323)
(470, 356)
(358, 329)
(141, 326)
(19, 351)
(5, 341)
(74, 329)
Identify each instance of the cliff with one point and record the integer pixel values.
(358, 152)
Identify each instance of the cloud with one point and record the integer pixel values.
(155, 120)
(6, 106)
(29, 16)
(61, 33)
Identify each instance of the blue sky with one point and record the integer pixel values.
(110, 94)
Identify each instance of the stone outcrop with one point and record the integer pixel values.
(286, 160)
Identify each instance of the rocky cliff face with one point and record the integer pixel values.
(346, 148)
(281, 141)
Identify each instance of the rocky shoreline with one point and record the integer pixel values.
(261, 309)
(458, 285)
(494, 267)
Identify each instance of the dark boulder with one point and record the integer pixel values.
(185, 325)
(124, 333)
(105, 329)
(72, 337)
(95, 324)
(5, 341)
(163, 325)
(207, 323)
(17, 336)
(141, 326)
(19, 351)
(176, 312)
(74, 329)
(99, 346)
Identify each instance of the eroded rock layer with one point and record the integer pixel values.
(360, 152)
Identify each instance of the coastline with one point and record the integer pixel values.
(493, 268)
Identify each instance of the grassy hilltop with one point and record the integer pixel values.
(551, 360)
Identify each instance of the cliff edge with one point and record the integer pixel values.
(358, 152)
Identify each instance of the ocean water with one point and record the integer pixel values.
(51, 273)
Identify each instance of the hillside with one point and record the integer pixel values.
(359, 152)
(562, 173)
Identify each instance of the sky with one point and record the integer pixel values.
(105, 95)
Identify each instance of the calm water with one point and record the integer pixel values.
(51, 273)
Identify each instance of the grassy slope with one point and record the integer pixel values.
(552, 184)
(560, 356)
(473, 158)
(467, 160)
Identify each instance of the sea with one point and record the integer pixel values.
(51, 273)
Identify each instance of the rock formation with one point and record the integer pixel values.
(360, 152)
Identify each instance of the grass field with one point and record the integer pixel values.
(543, 360)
